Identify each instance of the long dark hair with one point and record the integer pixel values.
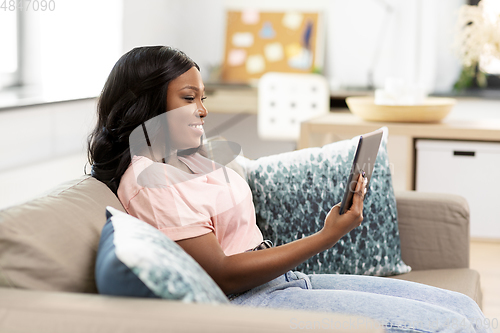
(135, 91)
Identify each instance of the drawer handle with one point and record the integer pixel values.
(464, 153)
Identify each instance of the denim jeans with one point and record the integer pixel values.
(399, 306)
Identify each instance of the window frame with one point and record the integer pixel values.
(14, 79)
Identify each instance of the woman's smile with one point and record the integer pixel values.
(185, 97)
(197, 127)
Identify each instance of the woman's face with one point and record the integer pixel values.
(185, 110)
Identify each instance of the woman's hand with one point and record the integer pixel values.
(337, 225)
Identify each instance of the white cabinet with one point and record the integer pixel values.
(467, 168)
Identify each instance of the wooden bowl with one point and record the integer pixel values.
(434, 109)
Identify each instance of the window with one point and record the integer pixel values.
(77, 59)
(9, 43)
(65, 51)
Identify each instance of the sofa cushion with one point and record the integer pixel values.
(462, 280)
(434, 230)
(32, 311)
(50, 243)
(137, 260)
(294, 191)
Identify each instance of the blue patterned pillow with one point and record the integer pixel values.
(294, 191)
(136, 260)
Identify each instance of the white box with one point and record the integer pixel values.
(466, 168)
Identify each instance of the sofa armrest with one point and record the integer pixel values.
(434, 230)
(43, 311)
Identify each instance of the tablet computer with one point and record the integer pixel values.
(364, 160)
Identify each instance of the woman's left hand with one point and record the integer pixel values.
(243, 271)
(337, 225)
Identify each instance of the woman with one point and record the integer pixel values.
(145, 147)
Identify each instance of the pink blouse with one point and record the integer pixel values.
(182, 205)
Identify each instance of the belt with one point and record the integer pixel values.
(264, 245)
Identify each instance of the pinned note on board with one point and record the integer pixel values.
(243, 39)
(293, 50)
(237, 57)
(292, 20)
(267, 31)
(274, 52)
(255, 64)
(250, 16)
(258, 42)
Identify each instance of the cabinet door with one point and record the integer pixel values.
(469, 169)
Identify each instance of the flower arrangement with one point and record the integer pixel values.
(478, 40)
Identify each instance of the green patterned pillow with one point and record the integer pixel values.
(136, 260)
(294, 191)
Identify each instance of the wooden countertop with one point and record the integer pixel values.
(231, 100)
(484, 129)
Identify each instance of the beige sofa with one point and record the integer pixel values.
(48, 248)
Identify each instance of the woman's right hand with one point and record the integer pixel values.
(337, 225)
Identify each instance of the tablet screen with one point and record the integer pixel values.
(364, 161)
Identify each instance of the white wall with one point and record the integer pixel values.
(194, 26)
(417, 45)
(447, 62)
(42, 146)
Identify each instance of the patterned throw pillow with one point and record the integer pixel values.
(136, 260)
(294, 191)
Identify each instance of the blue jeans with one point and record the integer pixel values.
(400, 306)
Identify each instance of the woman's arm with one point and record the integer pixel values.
(243, 271)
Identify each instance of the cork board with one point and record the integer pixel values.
(259, 42)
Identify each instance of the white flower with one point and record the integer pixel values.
(478, 34)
